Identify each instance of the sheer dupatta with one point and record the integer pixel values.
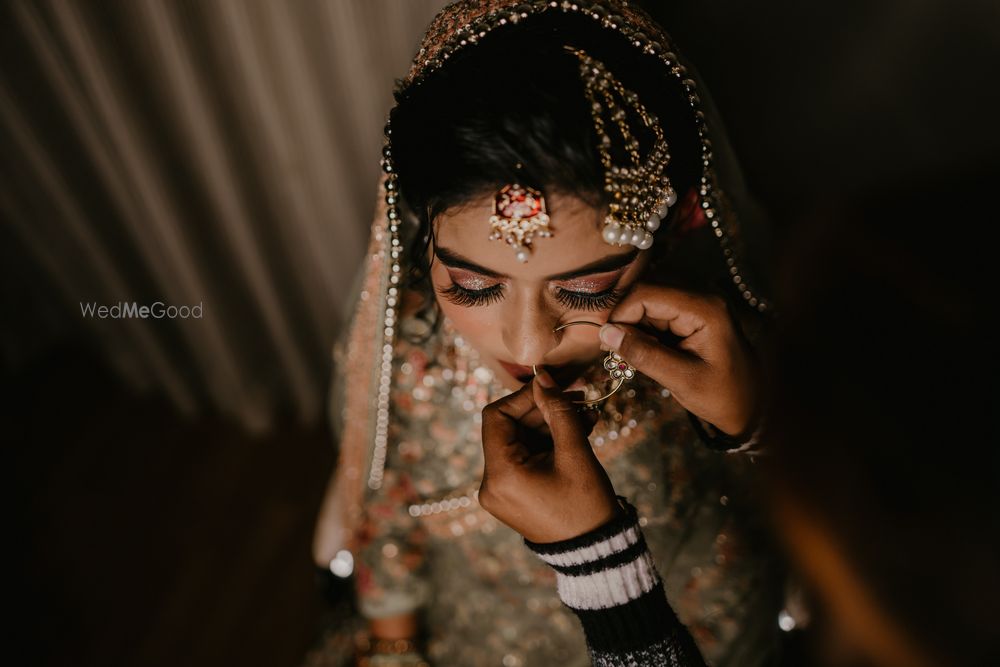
(359, 408)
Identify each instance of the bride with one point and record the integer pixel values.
(543, 160)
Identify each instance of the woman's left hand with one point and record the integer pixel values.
(541, 476)
(708, 367)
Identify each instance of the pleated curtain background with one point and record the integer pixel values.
(221, 152)
(225, 152)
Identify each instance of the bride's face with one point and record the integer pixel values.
(507, 309)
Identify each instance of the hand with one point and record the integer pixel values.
(541, 477)
(709, 368)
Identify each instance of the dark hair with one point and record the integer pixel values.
(516, 98)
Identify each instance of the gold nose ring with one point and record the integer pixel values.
(619, 370)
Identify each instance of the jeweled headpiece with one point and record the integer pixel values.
(518, 216)
(641, 194)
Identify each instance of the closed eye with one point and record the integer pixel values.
(605, 300)
(469, 290)
(461, 296)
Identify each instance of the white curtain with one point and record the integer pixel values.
(214, 152)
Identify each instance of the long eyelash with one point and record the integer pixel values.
(579, 301)
(460, 296)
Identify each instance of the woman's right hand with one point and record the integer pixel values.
(541, 476)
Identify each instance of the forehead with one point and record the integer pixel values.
(576, 238)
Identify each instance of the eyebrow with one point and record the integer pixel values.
(610, 263)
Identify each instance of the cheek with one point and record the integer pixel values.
(478, 328)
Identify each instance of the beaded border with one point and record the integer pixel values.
(390, 300)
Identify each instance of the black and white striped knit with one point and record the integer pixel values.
(607, 578)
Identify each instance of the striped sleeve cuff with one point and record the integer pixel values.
(608, 579)
(720, 442)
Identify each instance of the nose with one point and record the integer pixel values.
(528, 331)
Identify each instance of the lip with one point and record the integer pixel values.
(567, 377)
(518, 372)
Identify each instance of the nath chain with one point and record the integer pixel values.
(619, 370)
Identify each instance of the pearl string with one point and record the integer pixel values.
(391, 292)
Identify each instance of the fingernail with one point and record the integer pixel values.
(545, 380)
(612, 336)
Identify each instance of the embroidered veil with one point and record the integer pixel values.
(360, 404)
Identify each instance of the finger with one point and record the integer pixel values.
(500, 420)
(671, 368)
(516, 405)
(588, 417)
(569, 431)
(683, 313)
(533, 420)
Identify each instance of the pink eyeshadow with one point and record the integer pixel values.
(471, 281)
(592, 284)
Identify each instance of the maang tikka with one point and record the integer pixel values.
(518, 216)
